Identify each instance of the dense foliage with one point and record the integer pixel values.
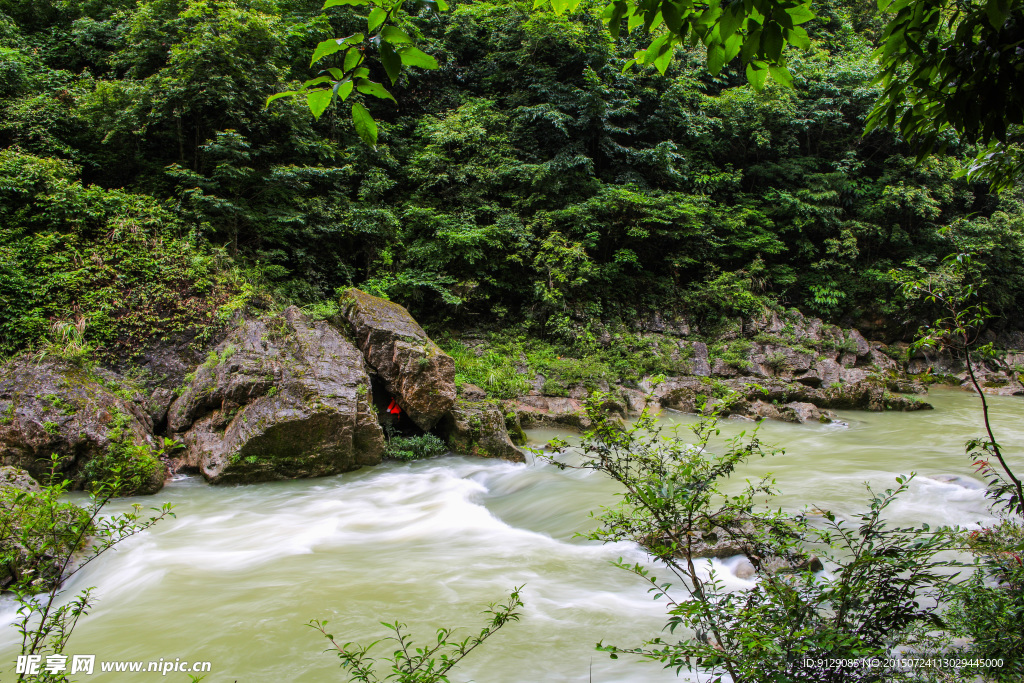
(528, 178)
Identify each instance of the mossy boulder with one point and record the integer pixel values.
(479, 428)
(415, 370)
(282, 397)
(85, 421)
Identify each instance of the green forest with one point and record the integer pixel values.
(528, 181)
(405, 307)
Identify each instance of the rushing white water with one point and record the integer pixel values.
(234, 578)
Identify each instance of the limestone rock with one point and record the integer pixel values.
(550, 411)
(808, 412)
(17, 478)
(472, 392)
(863, 348)
(419, 375)
(281, 397)
(479, 428)
(56, 408)
(699, 363)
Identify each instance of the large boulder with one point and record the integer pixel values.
(416, 371)
(282, 397)
(479, 428)
(58, 415)
(550, 411)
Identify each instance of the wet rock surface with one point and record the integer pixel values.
(54, 408)
(281, 397)
(18, 478)
(479, 428)
(419, 375)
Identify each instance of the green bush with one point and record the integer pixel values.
(37, 528)
(414, 447)
(794, 624)
(126, 467)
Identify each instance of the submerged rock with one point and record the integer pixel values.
(479, 428)
(59, 410)
(416, 371)
(281, 397)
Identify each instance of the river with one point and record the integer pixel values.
(234, 578)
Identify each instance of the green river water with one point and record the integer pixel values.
(234, 578)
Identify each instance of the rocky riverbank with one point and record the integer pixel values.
(283, 395)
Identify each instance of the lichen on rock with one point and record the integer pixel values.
(55, 414)
(479, 428)
(416, 371)
(281, 397)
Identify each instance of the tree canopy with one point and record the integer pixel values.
(528, 180)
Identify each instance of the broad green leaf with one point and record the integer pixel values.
(327, 47)
(653, 20)
(732, 19)
(560, 6)
(343, 89)
(673, 16)
(716, 58)
(662, 62)
(336, 74)
(375, 19)
(391, 61)
(732, 46)
(314, 81)
(413, 56)
(361, 72)
(278, 96)
(335, 3)
(800, 15)
(395, 35)
(772, 42)
(442, 5)
(781, 75)
(352, 58)
(997, 11)
(757, 73)
(635, 20)
(798, 38)
(656, 49)
(368, 87)
(613, 16)
(366, 127)
(318, 101)
(750, 45)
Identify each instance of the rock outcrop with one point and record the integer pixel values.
(15, 477)
(418, 374)
(57, 409)
(550, 411)
(281, 397)
(479, 428)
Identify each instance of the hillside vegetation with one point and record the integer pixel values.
(146, 189)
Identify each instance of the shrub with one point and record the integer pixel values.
(415, 447)
(793, 624)
(126, 465)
